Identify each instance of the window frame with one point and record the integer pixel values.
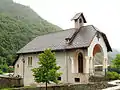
(30, 59)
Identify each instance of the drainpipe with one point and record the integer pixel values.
(23, 69)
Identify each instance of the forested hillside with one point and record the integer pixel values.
(18, 25)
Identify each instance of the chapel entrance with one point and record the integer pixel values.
(80, 63)
(98, 60)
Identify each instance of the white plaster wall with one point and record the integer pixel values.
(63, 59)
(94, 42)
(73, 56)
(72, 60)
(90, 51)
(84, 78)
(28, 75)
(19, 71)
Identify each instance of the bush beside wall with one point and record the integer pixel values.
(113, 75)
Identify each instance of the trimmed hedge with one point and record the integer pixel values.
(113, 75)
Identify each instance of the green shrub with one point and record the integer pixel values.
(4, 68)
(113, 75)
(1, 72)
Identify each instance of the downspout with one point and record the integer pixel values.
(23, 68)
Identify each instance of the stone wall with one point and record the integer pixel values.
(95, 86)
(10, 82)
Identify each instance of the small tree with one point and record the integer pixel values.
(47, 70)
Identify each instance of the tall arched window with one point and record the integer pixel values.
(80, 63)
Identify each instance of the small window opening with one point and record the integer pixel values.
(77, 79)
(59, 78)
(17, 65)
(29, 61)
(80, 20)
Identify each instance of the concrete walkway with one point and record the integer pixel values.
(115, 82)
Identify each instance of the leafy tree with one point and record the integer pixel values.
(116, 62)
(47, 70)
(1, 72)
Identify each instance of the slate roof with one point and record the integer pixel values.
(56, 41)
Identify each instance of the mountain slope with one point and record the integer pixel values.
(18, 25)
(27, 15)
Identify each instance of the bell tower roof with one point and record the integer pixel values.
(78, 15)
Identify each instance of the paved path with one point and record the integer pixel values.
(113, 83)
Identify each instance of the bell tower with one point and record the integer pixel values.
(79, 20)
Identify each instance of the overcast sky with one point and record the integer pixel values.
(104, 14)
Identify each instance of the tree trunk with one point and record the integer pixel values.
(46, 85)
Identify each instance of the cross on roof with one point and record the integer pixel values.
(98, 36)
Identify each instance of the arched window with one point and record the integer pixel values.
(80, 63)
(80, 20)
